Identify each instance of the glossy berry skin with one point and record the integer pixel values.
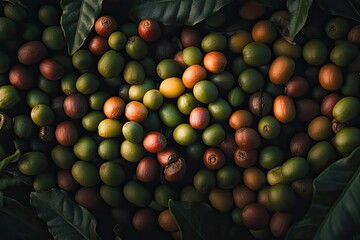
(149, 30)
(105, 25)
(154, 142)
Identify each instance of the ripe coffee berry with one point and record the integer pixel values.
(149, 29)
(105, 25)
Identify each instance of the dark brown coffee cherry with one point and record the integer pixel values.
(51, 69)
(260, 103)
(75, 105)
(255, 216)
(21, 77)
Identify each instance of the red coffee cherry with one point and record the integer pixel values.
(105, 25)
(149, 30)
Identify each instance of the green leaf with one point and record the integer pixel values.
(175, 12)
(65, 218)
(334, 212)
(20, 178)
(6, 182)
(9, 159)
(345, 8)
(199, 221)
(20, 221)
(298, 11)
(77, 19)
(117, 231)
(16, 2)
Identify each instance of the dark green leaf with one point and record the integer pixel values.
(298, 15)
(65, 218)
(18, 220)
(335, 211)
(282, 25)
(175, 12)
(9, 159)
(7, 181)
(16, 2)
(117, 231)
(199, 220)
(20, 178)
(344, 8)
(77, 19)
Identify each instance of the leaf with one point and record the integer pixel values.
(199, 220)
(14, 216)
(6, 182)
(175, 12)
(282, 26)
(334, 212)
(65, 218)
(20, 178)
(117, 231)
(345, 8)
(9, 159)
(298, 11)
(16, 2)
(77, 19)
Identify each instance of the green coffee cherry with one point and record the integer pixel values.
(15, 12)
(5, 123)
(87, 83)
(32, 163)
(36, 96)
(111, 195)
(85, 148)
(92, 119)
(44, 181)
(109, 149)
(23, 126)
(7, 28)
(136, 47)
(295, 168)
(137, 194)
(62, 156)
(53, 38)
(9, 97)
(112, 173)
(42, 115)
(85, 173)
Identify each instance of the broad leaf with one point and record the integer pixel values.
(298, 15)
(117, 231)
(335, 211)
(20, 178)
(345, 8)
(77, 19)
(7, 181)
(16, 2)
(20, 221)
(175, 12)
(65, 218)
(199, 220)
(9, 159)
